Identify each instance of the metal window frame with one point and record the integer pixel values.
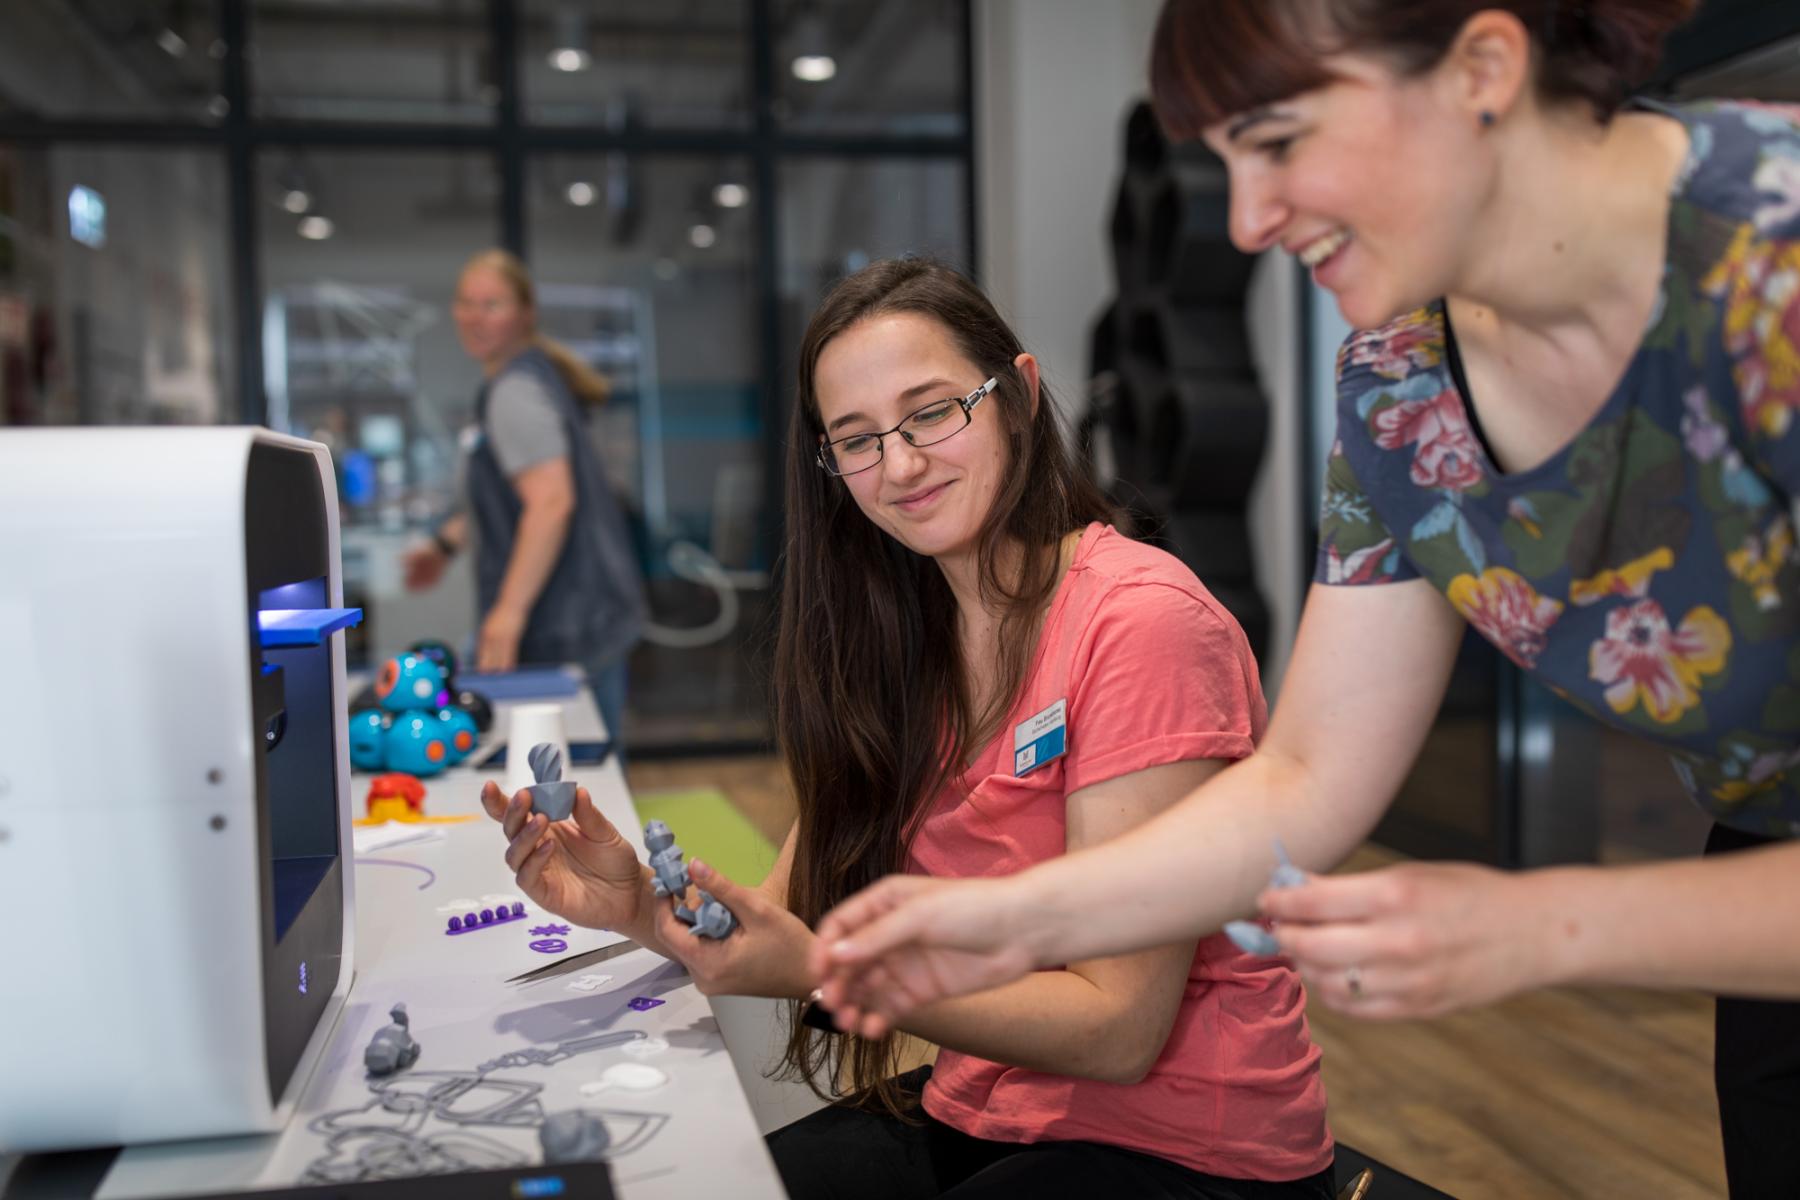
(513, 143)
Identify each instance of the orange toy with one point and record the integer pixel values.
(398, 796)
(395, 796)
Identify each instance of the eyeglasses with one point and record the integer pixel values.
(936, 422)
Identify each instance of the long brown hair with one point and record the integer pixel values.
(873, 705)
(1213, 59)
(589, 386)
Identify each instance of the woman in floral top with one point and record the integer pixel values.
(1572, 425)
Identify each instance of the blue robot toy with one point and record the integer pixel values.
(410, 681)
(416, 729)
(368, 730)
(460, 729)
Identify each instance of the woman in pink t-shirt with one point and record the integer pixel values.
(974, 674)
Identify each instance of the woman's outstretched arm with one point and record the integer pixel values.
(1359, 696)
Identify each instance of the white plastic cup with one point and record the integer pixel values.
(531, 724)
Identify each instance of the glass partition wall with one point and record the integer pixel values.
(255, 210)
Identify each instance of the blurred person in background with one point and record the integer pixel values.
(556, 577)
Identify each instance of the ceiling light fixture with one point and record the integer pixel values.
(569, 51)
(812, 61)
(294, 187)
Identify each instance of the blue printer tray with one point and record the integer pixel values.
(303, 626)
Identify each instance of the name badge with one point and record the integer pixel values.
(1037, 740)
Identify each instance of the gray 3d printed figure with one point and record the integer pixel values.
(573, 1136)
(1285, 874)
(551, 795)
(712, 919)
(665, 860)
(392, 1048)
(1252, 938)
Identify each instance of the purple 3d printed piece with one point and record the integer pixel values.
(644, 1003)
(549, 945)
(488, 918)
(430, 875)
(552, 930)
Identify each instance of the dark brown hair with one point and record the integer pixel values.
(1213, 59)
(873, 708)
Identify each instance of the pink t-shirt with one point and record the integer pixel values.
(1154, 671)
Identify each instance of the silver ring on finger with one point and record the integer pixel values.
(1353, 980)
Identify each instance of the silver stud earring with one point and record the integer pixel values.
(1487, 118)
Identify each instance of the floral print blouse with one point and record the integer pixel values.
(1646, 572)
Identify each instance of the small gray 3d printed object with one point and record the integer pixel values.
(712, 919)
(1252, 938)
(551, 795)
(573, 1136)
(1285, 874)
(392, 1048)
(665, 860)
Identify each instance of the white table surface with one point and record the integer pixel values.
(694, 1135)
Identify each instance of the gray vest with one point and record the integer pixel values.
(592, 607)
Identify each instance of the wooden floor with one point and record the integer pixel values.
(1562, 1093)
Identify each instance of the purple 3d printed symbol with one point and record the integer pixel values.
(489, 917)
(549, 945)
(643, 1003)
(550, 930)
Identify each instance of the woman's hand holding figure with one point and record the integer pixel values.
(1417, 940)
(765, 954)
(582, 869)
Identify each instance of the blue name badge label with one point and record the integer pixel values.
(1037, 740)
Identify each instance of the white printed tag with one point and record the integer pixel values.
(1037, 740)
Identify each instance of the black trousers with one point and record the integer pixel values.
(847, 1153)
(1756, 1067)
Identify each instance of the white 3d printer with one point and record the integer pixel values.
(175, 868)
